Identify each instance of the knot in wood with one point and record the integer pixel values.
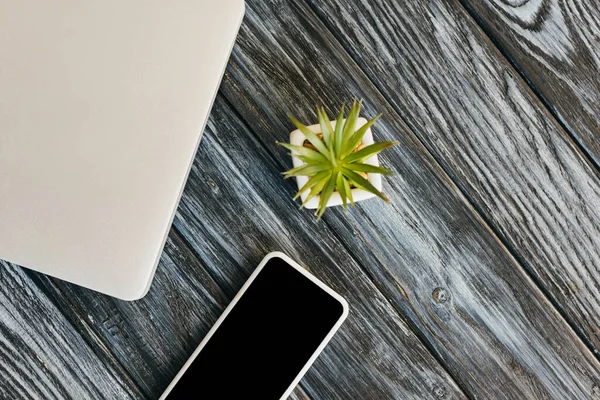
(440, 392)
(440, 295)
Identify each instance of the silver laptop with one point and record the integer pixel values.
(102, 105)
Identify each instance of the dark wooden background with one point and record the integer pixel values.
(480, 280)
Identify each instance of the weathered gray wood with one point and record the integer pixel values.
(299, 394)
(42, 356)
(496, 332)
(154, 337)
(491, 134)
(236, 209)
(555, 45)
(374, 356)
(431, 257)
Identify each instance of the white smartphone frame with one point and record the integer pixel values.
(295, 265)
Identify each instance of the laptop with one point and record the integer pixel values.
(102, 106)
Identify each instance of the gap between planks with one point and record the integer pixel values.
(197, 218)
(585, 152)
(79, 321)
(477, 210)
(590, 152)
(536, 298)
(351, 254)
(299, 392)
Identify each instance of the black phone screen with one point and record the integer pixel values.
(265, 341)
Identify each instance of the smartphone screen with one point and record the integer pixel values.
(266, 339)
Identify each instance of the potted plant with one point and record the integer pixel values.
(335, 162)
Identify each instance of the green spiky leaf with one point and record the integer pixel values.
(325, 129)
(348, 190)
(341, 188)
(368, 151)
(311, 137)
(363, 183)
(339, 132)
(306, 170)
(312, 182)
(315, 191)
(311, 161)
(326, 194)
(350, 125)
(333, 163)
(360, 167)
(355, 139)
(305, 152)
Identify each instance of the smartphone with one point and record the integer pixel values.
(266, 339)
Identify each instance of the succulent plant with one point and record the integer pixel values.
(335, 159)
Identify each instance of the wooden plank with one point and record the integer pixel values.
(299, 394)
(236, 209)
(554, 44)
(374, 356)
(42, 356)
(478, 118)
(153, 338)
(156, 336)
(430, 254)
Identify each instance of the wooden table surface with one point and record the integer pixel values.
(480, 280)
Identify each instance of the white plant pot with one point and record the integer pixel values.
(297, 138)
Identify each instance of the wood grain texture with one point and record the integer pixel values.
(429, 253)
(494, 330)
(374, 356)
(236, 209)
(152, 338)
(378, 359)
(556, 45)
(299, 394)
(42, 356)
(496, 140)
(155, 336)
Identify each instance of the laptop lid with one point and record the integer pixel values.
(102, 105)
